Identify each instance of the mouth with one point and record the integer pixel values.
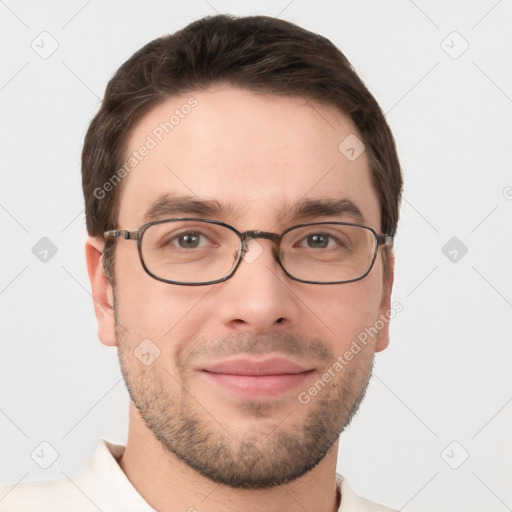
(257, 378)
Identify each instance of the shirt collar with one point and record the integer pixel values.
(102, 479)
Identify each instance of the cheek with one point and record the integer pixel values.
(147, 307)
(345, 311)
(162, 312)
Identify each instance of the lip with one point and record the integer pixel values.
(257, 367)
(257, 377)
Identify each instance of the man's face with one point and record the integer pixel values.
(234, 357)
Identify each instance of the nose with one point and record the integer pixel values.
(259, 296)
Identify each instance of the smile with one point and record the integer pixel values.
(253, 378)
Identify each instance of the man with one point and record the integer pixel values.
(242, 191)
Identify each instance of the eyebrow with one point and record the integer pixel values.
(325, 208)
(170, 205)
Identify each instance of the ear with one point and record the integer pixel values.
(385, 303)
(102, 293)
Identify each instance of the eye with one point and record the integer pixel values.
(319, 241)
(189, 240)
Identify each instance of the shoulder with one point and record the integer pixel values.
(350, 502)
(58, 495)
(370, 506)
(102, 485)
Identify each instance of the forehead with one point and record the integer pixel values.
(254, 154)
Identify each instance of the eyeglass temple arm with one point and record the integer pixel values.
(121, 233)
(384, 240)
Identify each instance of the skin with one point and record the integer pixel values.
(257, 153)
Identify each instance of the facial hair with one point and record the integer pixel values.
(253, 459)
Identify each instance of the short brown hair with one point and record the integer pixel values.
(258, 53)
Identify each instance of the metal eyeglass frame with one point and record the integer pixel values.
(381, 239)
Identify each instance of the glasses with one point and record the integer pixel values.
(195, 252)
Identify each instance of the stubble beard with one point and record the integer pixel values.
(254, 459)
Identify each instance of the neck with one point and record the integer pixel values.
(166, 482)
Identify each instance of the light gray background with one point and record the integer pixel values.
(445, 376)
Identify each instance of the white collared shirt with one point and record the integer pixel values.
(103, 486)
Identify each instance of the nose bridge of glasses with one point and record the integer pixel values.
(247, 236)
